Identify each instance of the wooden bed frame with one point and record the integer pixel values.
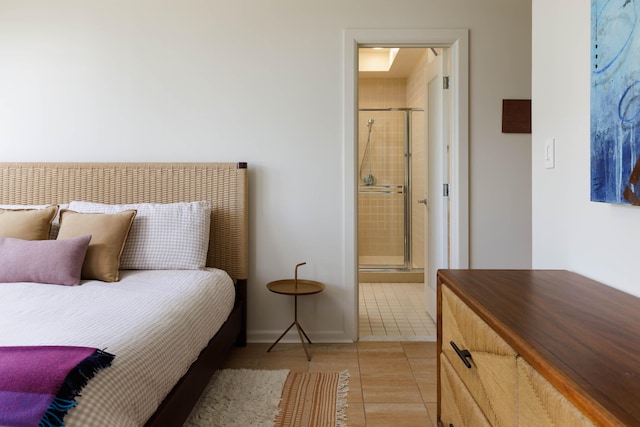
(224, 185)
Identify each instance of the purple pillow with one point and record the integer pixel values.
(42, 261)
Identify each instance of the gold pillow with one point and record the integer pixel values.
(108, 235)
(27, 224)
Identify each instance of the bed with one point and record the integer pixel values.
(224, 187)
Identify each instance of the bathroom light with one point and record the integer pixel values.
(376, 59)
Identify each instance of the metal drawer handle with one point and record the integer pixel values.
(462, 354)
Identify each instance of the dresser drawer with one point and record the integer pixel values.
(458, 409)
(541, 405)
(491, 372)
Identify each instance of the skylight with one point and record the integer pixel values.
(377, 59)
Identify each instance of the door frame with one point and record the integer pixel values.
(458, 41)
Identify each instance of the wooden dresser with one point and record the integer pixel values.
(536, 348)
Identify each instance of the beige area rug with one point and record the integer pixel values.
(263, 398)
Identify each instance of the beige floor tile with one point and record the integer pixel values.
(294, 364)
(432, 408)
(355, 390)
(424, 368)
(419, 349)
(250, 348)
(376, 390)
(428, 390)
(355, 414)
(289, 350)
(244, 363)
(251, 351)
(246, 357)
(396, 414)
(391, 368)
(322, 362)
(335, 348)
(391, 348)
(283, 347)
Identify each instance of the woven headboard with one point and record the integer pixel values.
(224, 185)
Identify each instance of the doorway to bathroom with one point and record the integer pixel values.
(395, 123)
(451, 248)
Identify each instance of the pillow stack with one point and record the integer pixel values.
(95, 241)
(86, 247)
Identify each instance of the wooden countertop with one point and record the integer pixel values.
(582, 336)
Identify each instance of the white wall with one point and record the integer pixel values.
(261, 82)
(597, 240)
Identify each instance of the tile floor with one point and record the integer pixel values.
(394, 312)
(391, 383)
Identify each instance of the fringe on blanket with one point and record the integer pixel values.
(73, 383)
(341, 401)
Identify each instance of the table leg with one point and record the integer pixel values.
(304, 346)
(304, 333)
(301, 331)
(280, 337)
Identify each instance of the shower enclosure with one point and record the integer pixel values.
(391, 155)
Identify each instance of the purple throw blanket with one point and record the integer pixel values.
(38, 385)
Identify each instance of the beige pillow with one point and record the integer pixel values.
(108, 235)
(27, 224)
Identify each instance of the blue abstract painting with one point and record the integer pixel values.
(615, 102)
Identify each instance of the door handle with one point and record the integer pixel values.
(423, 201)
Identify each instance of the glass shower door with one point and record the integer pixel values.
(381, 189)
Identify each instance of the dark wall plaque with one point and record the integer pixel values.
(516, 116)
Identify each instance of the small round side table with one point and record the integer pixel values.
(295, 287)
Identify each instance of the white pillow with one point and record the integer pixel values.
(55, 224)
(164, 236)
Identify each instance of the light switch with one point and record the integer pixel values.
(549, 153)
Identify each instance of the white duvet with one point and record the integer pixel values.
(156, 322)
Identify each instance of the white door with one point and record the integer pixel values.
(436, 173)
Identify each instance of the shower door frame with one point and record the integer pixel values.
(406, 194)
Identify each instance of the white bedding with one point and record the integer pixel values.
(155, 322)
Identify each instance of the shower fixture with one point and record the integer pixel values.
(368, 179)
